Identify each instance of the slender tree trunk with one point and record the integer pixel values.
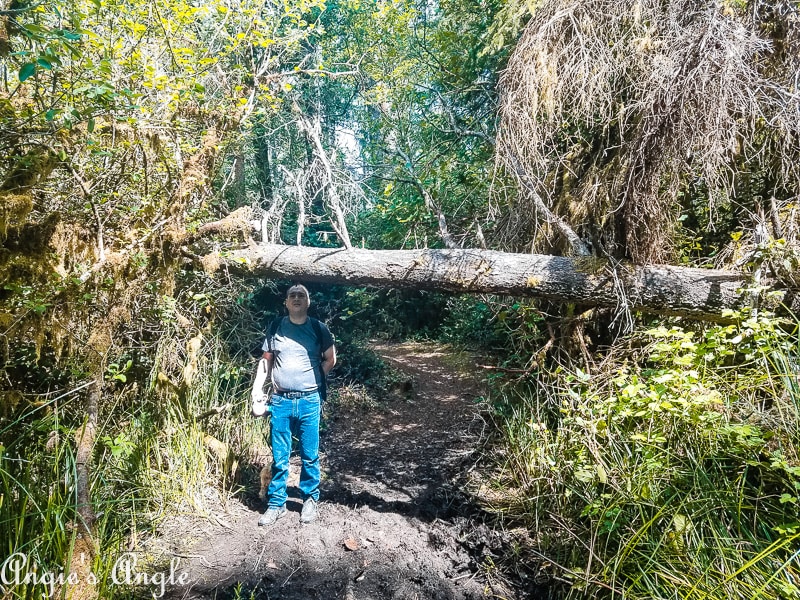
(83, 459)
(584, 280)
(263, 169)
(239, 176)
(84, 549)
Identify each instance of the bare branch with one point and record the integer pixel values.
(578, 247)
(87, 195)
(338, 224)
(429, 202)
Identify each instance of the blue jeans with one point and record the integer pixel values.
(302, 416)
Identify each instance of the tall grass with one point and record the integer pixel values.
(159, 451)
(37, 512)
(669, 471)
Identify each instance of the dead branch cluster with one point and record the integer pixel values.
(321, 189)
(611, 107)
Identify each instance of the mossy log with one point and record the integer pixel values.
(662, 289)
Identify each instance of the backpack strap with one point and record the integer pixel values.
(323, 388)
(272, 331)
(317, 327)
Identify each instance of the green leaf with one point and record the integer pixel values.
(90, 125)
(35, 32)
(74, 52)
(26, 71)
(45, 64)
(681, 523)
(601, 473)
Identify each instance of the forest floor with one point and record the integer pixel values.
(395, 519)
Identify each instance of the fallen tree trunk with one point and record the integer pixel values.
(586, 280)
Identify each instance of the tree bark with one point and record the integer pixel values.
(84, 549)
(586, 281)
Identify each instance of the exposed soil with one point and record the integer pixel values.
(394, 521)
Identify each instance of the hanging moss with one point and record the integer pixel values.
(28, 170)
(30, 238)
(14, 209)
(71, 244)
(211, 263)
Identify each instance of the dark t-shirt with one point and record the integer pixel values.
(296, 365)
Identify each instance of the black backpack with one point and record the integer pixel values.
(317, 327)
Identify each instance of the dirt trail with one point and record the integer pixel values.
(392, 522)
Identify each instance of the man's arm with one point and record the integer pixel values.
(263, 371)
(328, 359)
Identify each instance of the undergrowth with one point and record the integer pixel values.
(173, 435)
(668, 470)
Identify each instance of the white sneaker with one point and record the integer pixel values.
(309, 512)
(272, 514)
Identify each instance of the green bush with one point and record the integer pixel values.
(672, 471)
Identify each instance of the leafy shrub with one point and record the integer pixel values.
(671, 471)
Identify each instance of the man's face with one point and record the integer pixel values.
(297, 300)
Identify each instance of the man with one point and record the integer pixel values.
(298, 354)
